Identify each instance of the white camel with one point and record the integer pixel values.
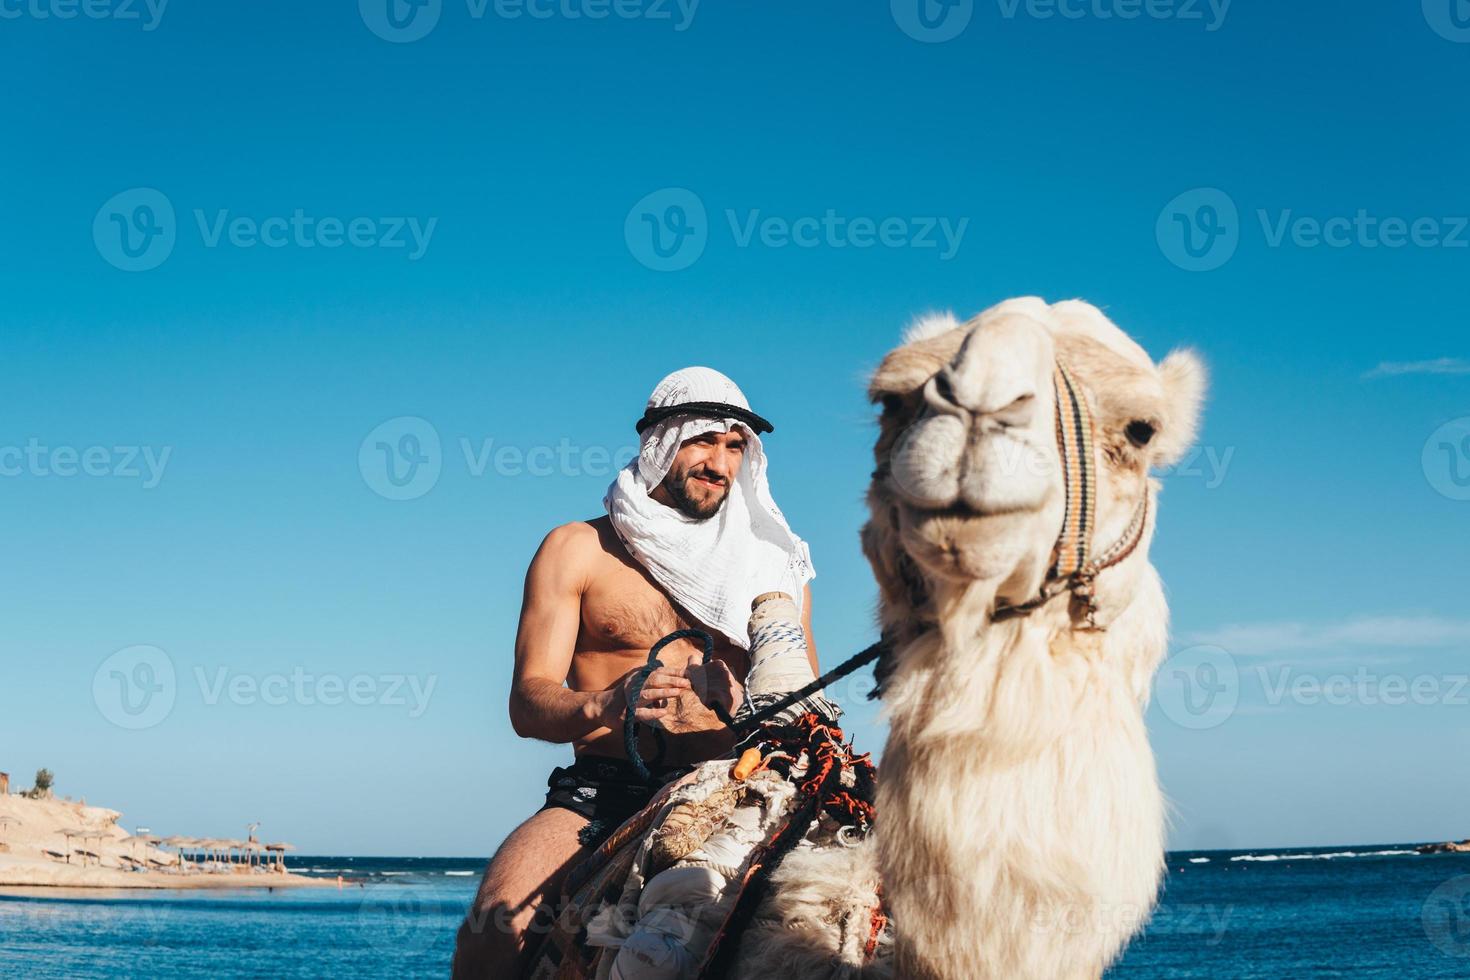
(1020, 831)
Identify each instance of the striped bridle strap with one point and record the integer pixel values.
(1074, 567)
(1079, 476)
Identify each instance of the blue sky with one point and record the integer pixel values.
(1320, 534)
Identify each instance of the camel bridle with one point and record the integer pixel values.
(1074, 566)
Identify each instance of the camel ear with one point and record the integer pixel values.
(1184, 378)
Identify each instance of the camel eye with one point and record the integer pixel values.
(1139, 432)
(892, 404)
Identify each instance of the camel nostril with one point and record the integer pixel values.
(939, 393)
(1000, 402)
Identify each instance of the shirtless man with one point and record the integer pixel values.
(594, 605)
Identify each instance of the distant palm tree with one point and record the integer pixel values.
(44, 781)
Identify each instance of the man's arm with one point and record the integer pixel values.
(541, 705)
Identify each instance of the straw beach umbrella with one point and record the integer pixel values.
(147, 840)
(83, 836)
(277, 854)
(225, 851)
(99, 837)
(181, 844)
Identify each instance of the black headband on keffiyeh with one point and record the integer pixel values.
(705, 410)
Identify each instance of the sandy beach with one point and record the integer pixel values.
(35, 850)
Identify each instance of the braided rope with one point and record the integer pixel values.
(635, 689)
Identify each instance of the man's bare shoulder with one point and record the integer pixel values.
(574, 555)
(581, 541)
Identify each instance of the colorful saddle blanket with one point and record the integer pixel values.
(665, 897)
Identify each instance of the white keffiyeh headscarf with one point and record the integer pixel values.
(712, 567)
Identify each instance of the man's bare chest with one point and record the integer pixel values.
(622, 610)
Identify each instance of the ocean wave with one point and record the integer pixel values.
(1319, 857)
(1199, 860)
(459, 874)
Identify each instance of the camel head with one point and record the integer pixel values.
(971, 489)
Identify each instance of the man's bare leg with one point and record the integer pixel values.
(524, 876)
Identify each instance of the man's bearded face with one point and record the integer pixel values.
(699, 479)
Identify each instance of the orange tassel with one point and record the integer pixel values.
(749, 760)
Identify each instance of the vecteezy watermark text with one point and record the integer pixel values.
(678, 13)
(138, 686)
(38, 460)
(405, 21)
(1209, 922)
(937, 21)
(1202, 687)
(305, 231)
(669, 229)
(1207, 463)
(1363, 687)
(832, 230)
(402, 458)
(1363, 230)
(148, 13)
(1200, 230)
(136, 230)
(1210, 13)
(566, 458)
(306, 689)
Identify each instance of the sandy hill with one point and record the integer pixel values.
(35, 849)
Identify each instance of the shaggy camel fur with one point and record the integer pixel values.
(1020, 823)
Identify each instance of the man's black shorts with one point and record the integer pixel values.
(605, 790)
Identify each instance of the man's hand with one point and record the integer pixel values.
(714, 684)
(655, 702)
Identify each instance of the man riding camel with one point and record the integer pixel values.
(691, 536)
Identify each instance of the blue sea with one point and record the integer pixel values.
(1366, 912)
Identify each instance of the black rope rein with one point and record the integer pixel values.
(635, 690)
(745, 725)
